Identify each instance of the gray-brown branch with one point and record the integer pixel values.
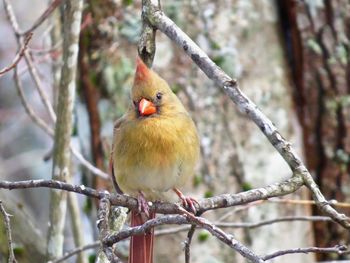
(339, 249)
(230, 86)
(185, 218)
(63, 129)
(7, 224)
(18, 56)
(205, 204)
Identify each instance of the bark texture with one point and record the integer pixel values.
(63, 130)
(317, 44)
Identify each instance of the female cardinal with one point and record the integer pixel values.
(155, 149)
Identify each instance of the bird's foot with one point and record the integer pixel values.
(142, 204)
(187, 201)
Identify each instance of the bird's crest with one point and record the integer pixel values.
(142, 71)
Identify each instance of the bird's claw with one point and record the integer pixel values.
(187, 201)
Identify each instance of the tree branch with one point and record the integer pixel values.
(188, 241)
(38, 83)
(53, 184)
(332, 202)
(185, 218)
(106, 253)
(18, 56)
(131, 203)
(147, 42)
(339, 249)
(29, 110)
(6, 217)
(32, 69)
(336, 249)
(63, 130)
(272, 221)
(76, 251)
(77, 230)
(169, 231)
(230, 86)
(205, 204)
(225, 200)
(37, 120)
(228, 239)
(44, 126)
(52, 6)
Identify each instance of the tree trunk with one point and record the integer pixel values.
(317, 44)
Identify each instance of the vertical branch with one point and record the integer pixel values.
(6, 216)
(105, 254)
(56, 35)
(188, 243)
(76, 226)
(73, 206)
(66, 97)
(147, 43)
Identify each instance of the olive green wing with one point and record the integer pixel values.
(116, 129)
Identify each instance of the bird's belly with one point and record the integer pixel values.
(154, 179)
(154, 182)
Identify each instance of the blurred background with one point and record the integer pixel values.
(290, 57)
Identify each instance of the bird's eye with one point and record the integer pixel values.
(159, 95)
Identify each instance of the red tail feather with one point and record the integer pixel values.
(141, 246)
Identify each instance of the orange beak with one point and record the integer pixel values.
(146, 107)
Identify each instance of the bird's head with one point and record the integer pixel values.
(151, 95)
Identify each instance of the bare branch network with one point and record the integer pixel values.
(155, 19)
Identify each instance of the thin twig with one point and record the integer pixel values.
(52, 6)
(39, 85)
(6, 217)
(188, 241)
(76, 251)
(96, 171)
(43, 125)
(339, 249)
(43, 96)
(45, 51)
(18, 56)
(11, 17)
(273, 221)
(32, 69)
(29, 110)
(239, 209)
(174, 230)
(309, 202)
